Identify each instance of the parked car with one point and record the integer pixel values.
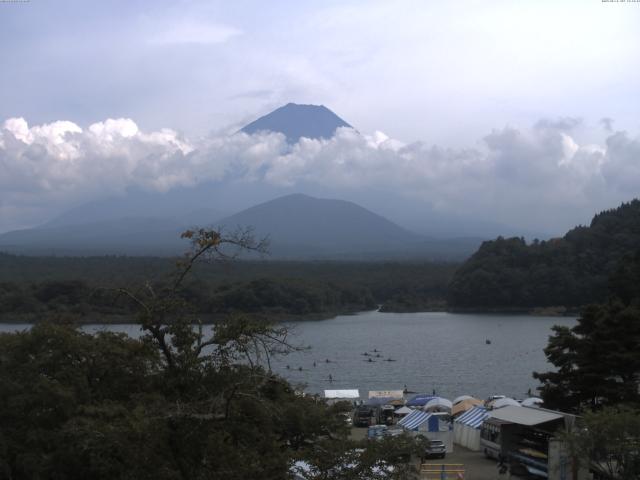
(435, 449)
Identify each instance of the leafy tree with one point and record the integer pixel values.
(57, 381)
(382, 459)
(610, 439)
(179, 403)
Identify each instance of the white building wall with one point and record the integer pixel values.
(466, 436)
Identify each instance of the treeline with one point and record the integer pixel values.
(33, 286)
(289, 297)
(572, 271)
(27, 301)
(262, 296)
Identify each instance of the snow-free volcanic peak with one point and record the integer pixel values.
(296, 121)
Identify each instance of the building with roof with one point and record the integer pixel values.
(391, 394)
(346, 395)
(527, 438)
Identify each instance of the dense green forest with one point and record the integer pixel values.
(31, 287)
(571, 271)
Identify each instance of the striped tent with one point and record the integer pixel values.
(473, 417)
(431, 425)
(466, 428)
(416, 419)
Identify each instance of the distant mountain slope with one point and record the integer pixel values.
(296, 121)
(124, 236)
(299, 226)
(569, 271)
(321, 225)
(303, 227)
(190, 205)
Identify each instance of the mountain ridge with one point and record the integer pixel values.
(300, 227)
(321, 223)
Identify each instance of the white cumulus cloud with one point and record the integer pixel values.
(540, 176)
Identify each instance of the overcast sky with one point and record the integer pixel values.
(458, 77)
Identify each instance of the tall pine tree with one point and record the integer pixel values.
(598, 360)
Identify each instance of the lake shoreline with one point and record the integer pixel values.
(212, 319)
(375, 350)
(554, 311)
(206, 319)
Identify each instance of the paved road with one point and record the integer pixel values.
(475, 464)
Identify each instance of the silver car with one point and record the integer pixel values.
(435, 449)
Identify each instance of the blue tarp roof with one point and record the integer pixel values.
(473, 417)
(419, 400)
(417, 418)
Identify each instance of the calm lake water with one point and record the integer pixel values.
(444, 352)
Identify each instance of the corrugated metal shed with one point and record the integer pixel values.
(525, 415)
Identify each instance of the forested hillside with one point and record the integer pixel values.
(508, 273)
(32, 288)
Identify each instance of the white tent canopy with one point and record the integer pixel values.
(532, 402)
(462, 398)
(339, 394)
(438, 404)
(403, 411)
(505, 402)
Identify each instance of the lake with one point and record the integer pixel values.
(437, 351)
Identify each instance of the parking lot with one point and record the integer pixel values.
(475, 465)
